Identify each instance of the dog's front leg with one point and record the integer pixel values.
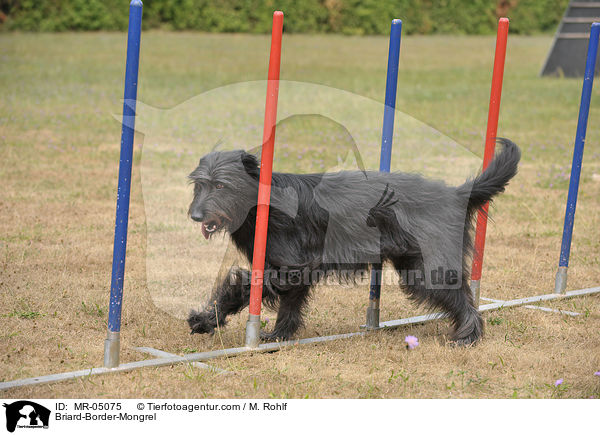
(231, 296)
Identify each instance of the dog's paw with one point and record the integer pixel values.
(464, 342)
(201, 323)
(273, 336)
(469, 331)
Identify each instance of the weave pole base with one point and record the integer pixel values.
(253, 331)
(372, 315)
(476, 292)
(560, 284)
(112, 346)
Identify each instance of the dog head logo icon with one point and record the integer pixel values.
(26, 414)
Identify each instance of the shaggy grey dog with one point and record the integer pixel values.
(342, 223)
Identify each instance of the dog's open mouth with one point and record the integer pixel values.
(211, 226)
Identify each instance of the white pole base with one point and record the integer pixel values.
(112, 345)
(253, 331)
(476, 291)
(560, 284)
(372, 314)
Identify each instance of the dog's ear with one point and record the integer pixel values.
(250, 163)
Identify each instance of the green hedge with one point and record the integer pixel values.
(360, 17)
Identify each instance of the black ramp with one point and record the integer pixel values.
(569, 49)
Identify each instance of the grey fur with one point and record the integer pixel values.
(342, 223)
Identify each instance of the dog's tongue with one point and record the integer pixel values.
(204, 232)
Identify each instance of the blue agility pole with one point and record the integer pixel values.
(387, 136)
(112, 343)
(560, 284)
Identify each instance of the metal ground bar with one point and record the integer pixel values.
(167, 361)
(162, 354)
(271, 347)
(538, 307)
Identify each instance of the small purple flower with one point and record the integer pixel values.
(558, 382)
(266, 320)
(411, 341)
(597, 373)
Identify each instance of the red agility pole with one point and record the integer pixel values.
(264, 187)
(490, 144)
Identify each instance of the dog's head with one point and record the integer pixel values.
(225, 189)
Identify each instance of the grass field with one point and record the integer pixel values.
(59, 147)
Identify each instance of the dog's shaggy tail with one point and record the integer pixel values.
(494, 179)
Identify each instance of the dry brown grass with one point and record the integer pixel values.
(57, 211)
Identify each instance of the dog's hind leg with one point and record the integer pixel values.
(230, 297)
(457, 302)
(292, 304)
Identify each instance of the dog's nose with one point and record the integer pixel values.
(198, 216)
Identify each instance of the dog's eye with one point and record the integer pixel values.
(219, 186)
